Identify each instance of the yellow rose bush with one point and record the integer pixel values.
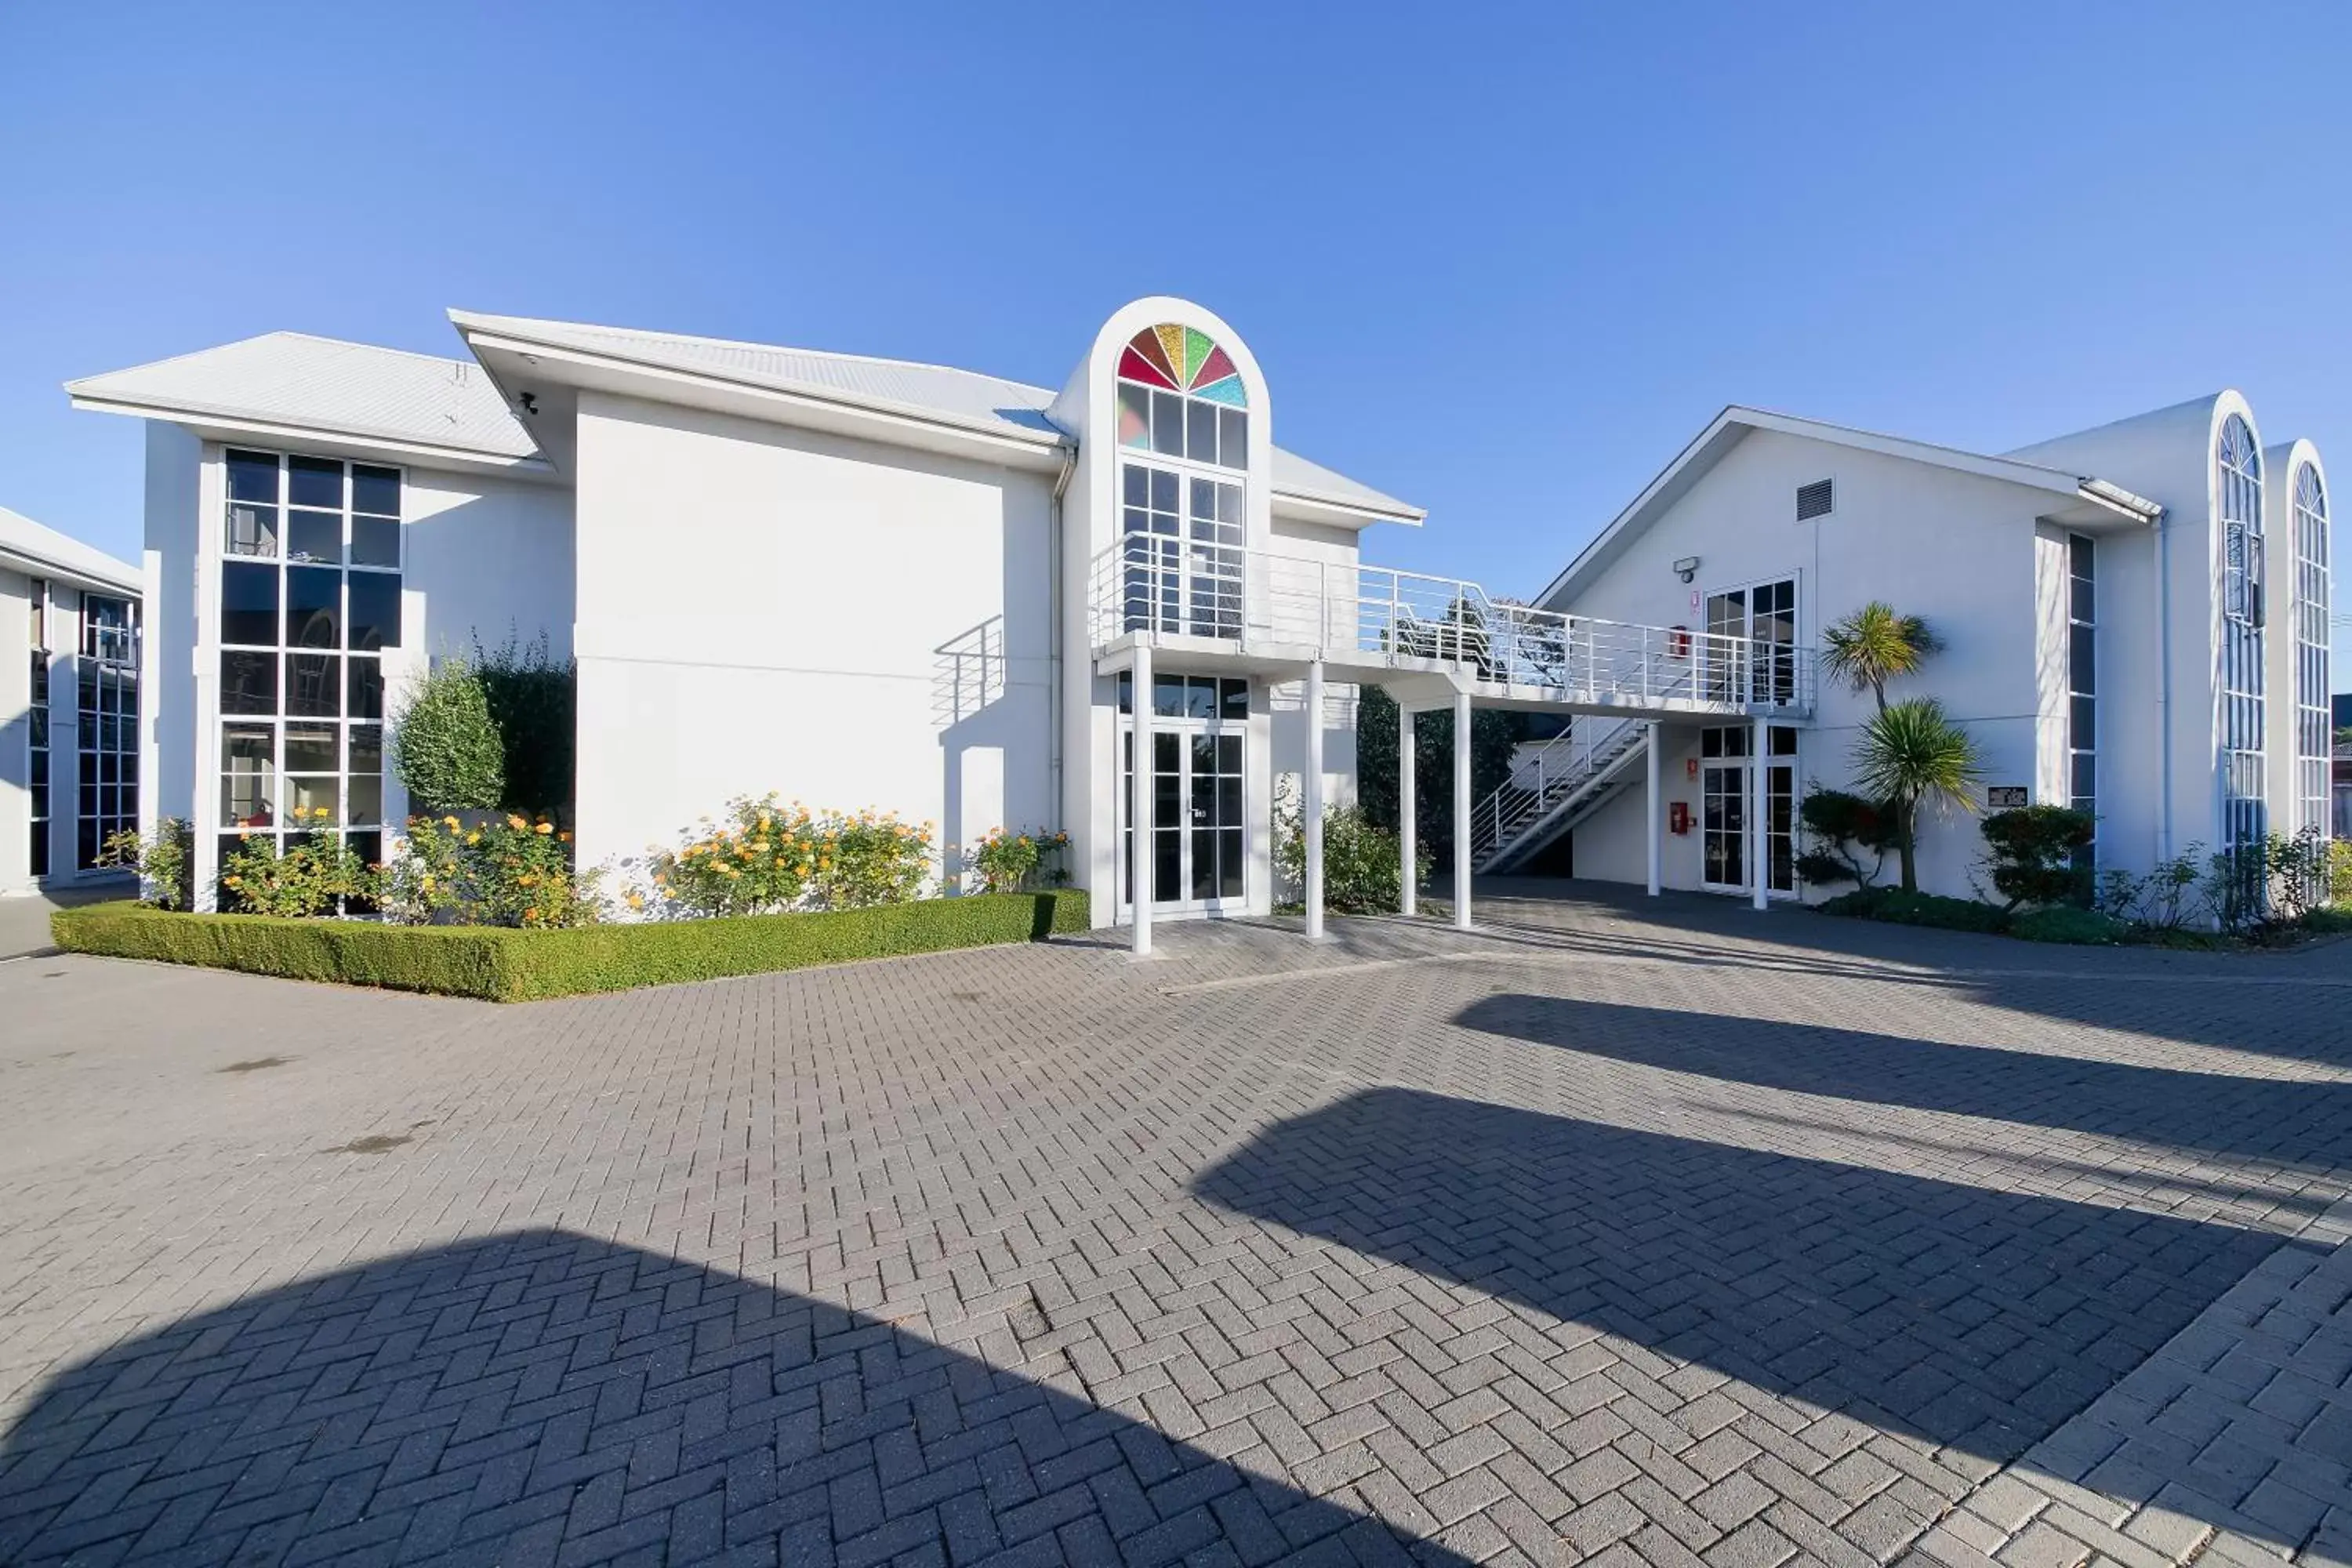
(311, 877)
(509, 871)
(765, 856)
(1007, 862)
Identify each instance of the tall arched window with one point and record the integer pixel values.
(2238, 476)
(2311, 683)
(1185, 440)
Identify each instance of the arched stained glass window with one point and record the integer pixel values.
(2238, 466)
(1180, 395)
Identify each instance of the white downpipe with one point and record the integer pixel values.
(1314, 825)
(1139, 809)
(1057, 613)
(1406, 807)
(1655, 830)
(1756, 858)
(1462, 811)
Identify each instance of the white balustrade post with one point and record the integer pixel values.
(1757, 859)
(1655, 817)
(1139, 808)
(1462, 811)
(1405, 805)
(1315, 801)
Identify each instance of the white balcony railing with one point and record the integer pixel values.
(1259, 600)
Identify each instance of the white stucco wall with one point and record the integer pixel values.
(1952, 547)
(760, 608)
(174, 513)
(15, 689)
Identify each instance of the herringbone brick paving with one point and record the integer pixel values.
(1596, 1234)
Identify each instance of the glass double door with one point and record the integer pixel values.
(1725, 808)
(1199, 854)
(1763, 669)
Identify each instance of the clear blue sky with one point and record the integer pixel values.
(1502, 263)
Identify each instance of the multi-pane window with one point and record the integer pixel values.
(1751, 643)
(2238, 473)
(309, 601)
(106, 686)
(2312, 733)
(2083, 680)
(1184, 415)
(37, 760)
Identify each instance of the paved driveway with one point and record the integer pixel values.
(1643, 1234)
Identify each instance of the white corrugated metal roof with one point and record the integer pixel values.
(41, 549)
(322, 384)
(900, 387)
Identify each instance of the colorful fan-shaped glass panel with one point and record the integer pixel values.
(1184, 359)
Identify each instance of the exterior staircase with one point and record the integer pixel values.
(1554, 788)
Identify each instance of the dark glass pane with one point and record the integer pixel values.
(253, 476)
(1134, 415)
(375, 610)
(2082, 665)
(1234, 699)
(1229, 506)
(1229, 801)
(86, 841)
(252, 529)
(1204, 863)
(313, 607)
(1201, 431)
(248, 603)
(366, 689)
(367, 748)
(2084, 720)
(1230, 863)
(312, 749)
(1229, 753)
(1163, 489)
(1137, 481)
(1232, 438)
(2079, 556)
(314, 536)
(314, 482)
(1710, 744)
(1783, 741)
(1167, 701)
(1126, 705)
(2086, 778)
(2082, 600)
(1166, 860)
(313, 685)
(1200, 697)
(1168, 424)
(375, 489)
(248, 682)
(1204, 770)
(366, 800)
(376, 541)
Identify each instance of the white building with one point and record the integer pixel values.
(69, 755)
(858, 582)
(2134, 620)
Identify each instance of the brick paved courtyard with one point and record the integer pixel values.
(1642, 1236)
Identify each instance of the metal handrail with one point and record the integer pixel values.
(1170, 585)
(1562, 768)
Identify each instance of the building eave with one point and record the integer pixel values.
(224, 423)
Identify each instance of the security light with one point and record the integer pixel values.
(1687, 568)
(529, 401)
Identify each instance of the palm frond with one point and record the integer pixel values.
(1912, 752)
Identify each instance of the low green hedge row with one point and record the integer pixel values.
(500, 964)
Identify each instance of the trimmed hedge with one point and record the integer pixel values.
(1898, 908)
(501, 964)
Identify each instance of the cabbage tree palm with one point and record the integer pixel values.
(1874, 646)
(1910, 754)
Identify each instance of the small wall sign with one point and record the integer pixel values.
(2002, 797)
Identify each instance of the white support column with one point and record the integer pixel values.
(1462, 811)
(1756, 858)
(1314, 823)
(1139, 810)
(1656, 815)
(1406, 806)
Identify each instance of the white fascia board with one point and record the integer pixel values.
(214, 425)
(32, 564)
(895, 425)
(1306, 506)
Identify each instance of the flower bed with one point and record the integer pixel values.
(508, 964)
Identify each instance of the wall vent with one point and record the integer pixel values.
(1813, 500)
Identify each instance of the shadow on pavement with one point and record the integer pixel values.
(1967, 1318)
(545, 1397)
(2281, 1121)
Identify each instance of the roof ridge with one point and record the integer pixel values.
(371, 348)
(1738, 408)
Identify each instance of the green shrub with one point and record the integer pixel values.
(531, 698)
(502, 872)
(2339, 871)
(1898, 907)
(2066, 923)
(312, 877)
(1363, 865)
(1841, 828)
(766, 858)
(444, 747)
(2035, 852)
(2327, 921)
(501, 965)
(164, 863)
(1002, 862)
